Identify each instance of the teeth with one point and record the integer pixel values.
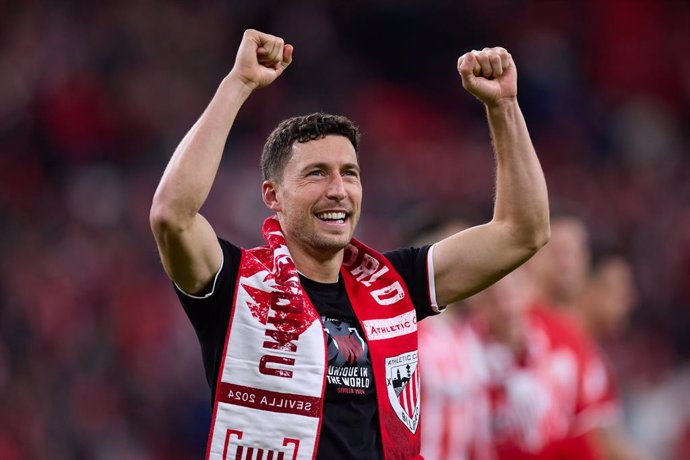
(331, 216)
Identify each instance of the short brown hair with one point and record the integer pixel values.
(277, 150)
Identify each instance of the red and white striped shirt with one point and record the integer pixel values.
(455, 420)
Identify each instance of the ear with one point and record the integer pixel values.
(269, 193)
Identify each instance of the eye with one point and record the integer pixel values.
(351, 173)
(315, 173)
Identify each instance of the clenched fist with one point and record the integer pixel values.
(490, 75)
(261, 58)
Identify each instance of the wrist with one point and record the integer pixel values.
(501, 105)
(238, 84)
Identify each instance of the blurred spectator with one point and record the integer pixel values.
(545, 398)
(561, 278)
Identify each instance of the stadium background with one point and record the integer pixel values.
(97, 360)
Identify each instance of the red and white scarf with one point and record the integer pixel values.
(270, 389)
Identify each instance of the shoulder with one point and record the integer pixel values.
(230, 249)
(558, 323)
(412, 263)
(407, 255)
(230, 262)
(564, 330)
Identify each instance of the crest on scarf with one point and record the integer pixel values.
(402, 382)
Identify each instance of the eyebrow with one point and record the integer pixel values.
(322, 165)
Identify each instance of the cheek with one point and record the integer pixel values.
(294, 202)
(356, 195)
(359, 190)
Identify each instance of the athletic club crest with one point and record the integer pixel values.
(402, 382)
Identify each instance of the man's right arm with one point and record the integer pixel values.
(187, 243)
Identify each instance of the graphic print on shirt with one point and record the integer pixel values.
(402, 381)
(349, 369)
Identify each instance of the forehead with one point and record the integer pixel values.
(333, 150)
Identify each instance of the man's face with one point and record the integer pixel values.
(501, 308)
(563, 264)
(319, 198)
(612, 295)
(570, 256)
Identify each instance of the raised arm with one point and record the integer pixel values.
(186, 242)
(471, 260)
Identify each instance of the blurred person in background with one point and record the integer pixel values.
(456, 420)
(263, 352)
(584, 397)
(603, 310)
(536, 362)
(547, 386)
(608, 298)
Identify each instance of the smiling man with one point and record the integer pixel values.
(315, 189)
(310, 342)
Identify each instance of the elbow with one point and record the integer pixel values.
(164, 219)
(529, 240)
(159, 219)
(543, 235)
(540, 237)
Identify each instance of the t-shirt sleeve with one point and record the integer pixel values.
(414, 266)
(209, 310)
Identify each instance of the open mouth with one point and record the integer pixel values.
(338, 217)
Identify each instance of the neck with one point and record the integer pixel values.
(320, 266)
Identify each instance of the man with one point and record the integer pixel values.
(555, 396)
(602, 309)
(537, 365)
(271, 355)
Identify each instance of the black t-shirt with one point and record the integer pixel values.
(350, 426)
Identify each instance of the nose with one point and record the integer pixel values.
(336, 188)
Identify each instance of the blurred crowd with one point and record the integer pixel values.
(97, 360)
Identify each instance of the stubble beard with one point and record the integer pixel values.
(320, 244)
(327, 244)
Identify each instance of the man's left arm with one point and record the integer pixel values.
(473, 259)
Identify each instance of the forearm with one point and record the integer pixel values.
(521, 201)
(477, 257)
(190, 173)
